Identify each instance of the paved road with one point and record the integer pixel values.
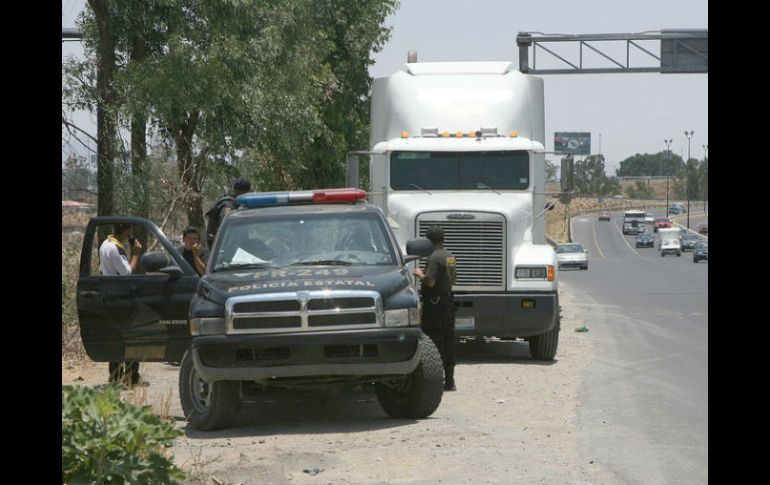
(644, 409)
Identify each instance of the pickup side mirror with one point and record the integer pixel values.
(154, 261)
(420, 247)
(173, 272)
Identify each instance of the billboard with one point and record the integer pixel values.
(571, 142)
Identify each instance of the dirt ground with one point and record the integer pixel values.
(512, 420)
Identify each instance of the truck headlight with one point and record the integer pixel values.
(535, 272)
(403, 317)
(207, 326)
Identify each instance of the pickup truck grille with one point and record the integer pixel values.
(478, 244)
(303, 311)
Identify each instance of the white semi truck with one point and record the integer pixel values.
(461, 145)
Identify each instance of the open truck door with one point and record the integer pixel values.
(137, 317)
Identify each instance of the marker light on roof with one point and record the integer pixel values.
(263, 199)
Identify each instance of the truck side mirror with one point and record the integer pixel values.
(567, 173)
(351, 175)
(419, 246)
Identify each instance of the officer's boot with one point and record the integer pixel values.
(449, 380)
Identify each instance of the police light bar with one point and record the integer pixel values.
(262, 199)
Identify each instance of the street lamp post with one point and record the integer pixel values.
(687, 173)
(666, 155)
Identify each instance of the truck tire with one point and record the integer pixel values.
(543, 347)
(207, 406)
(419, 394)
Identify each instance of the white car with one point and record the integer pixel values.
(649, 217)
(571, 255)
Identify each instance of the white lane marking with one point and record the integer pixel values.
(624, 240)
(596, 240)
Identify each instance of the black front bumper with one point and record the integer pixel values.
(503, 315)
(376, 352)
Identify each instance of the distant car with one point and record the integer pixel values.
(689, 241)
(604, 216)
(660, 222)
(701, 252)
(571, 255)
(649, 217)
(645, 240)
(703, 228)
(677, 209)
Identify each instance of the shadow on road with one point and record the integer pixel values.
(304, 412)
(496, 352)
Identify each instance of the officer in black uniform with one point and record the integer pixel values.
(225, 204)
(438, 309)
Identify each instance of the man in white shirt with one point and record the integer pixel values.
(113, 261)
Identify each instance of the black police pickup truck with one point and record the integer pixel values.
(301, 289)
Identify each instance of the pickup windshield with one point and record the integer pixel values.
(506, 170)
(303, 240)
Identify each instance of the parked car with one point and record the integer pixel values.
(645, 240)
(571, 255)
(660, 222)
(701, 252)
(689, 241)
(604, 216)
(649, 217)
(703, 228)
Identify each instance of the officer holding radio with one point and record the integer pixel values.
(113, 261)
(438, 308)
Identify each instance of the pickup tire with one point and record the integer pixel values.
(207, 406)
(543, 347)
(419, 394)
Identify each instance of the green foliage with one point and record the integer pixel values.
(106, 440)
(692, 181)
(591, 179)
(640, 190)
(649, 165)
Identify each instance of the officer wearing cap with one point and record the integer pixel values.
(224, 205)
(438, 309)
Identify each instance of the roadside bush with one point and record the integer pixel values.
(106, 440)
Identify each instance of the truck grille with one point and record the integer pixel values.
(478, 244)
(303, 311)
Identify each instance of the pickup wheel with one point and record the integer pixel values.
(418, 394)
(543, 347)
(207, 406)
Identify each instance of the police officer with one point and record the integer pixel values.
(224, 205)
(438, 309)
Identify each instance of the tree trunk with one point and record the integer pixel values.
(139, 145)
(105, 108)
(189, 170)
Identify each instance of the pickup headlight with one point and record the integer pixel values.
(207, 326)
(403, 317)
(534, 272)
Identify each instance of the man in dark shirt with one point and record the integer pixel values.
(192, 251)
(438, 309)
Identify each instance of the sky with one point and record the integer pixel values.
(626, 114)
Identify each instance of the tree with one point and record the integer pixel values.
(550, 171)
(649, 165)
(591, 179)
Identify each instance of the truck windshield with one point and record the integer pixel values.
(507, 170)
(304, 239)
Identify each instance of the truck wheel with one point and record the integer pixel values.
(207, 406)
(543, 347)
(418, 394)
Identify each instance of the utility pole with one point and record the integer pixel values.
(687, 173)
(705, 157)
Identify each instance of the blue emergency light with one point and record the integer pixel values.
(263, 199)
